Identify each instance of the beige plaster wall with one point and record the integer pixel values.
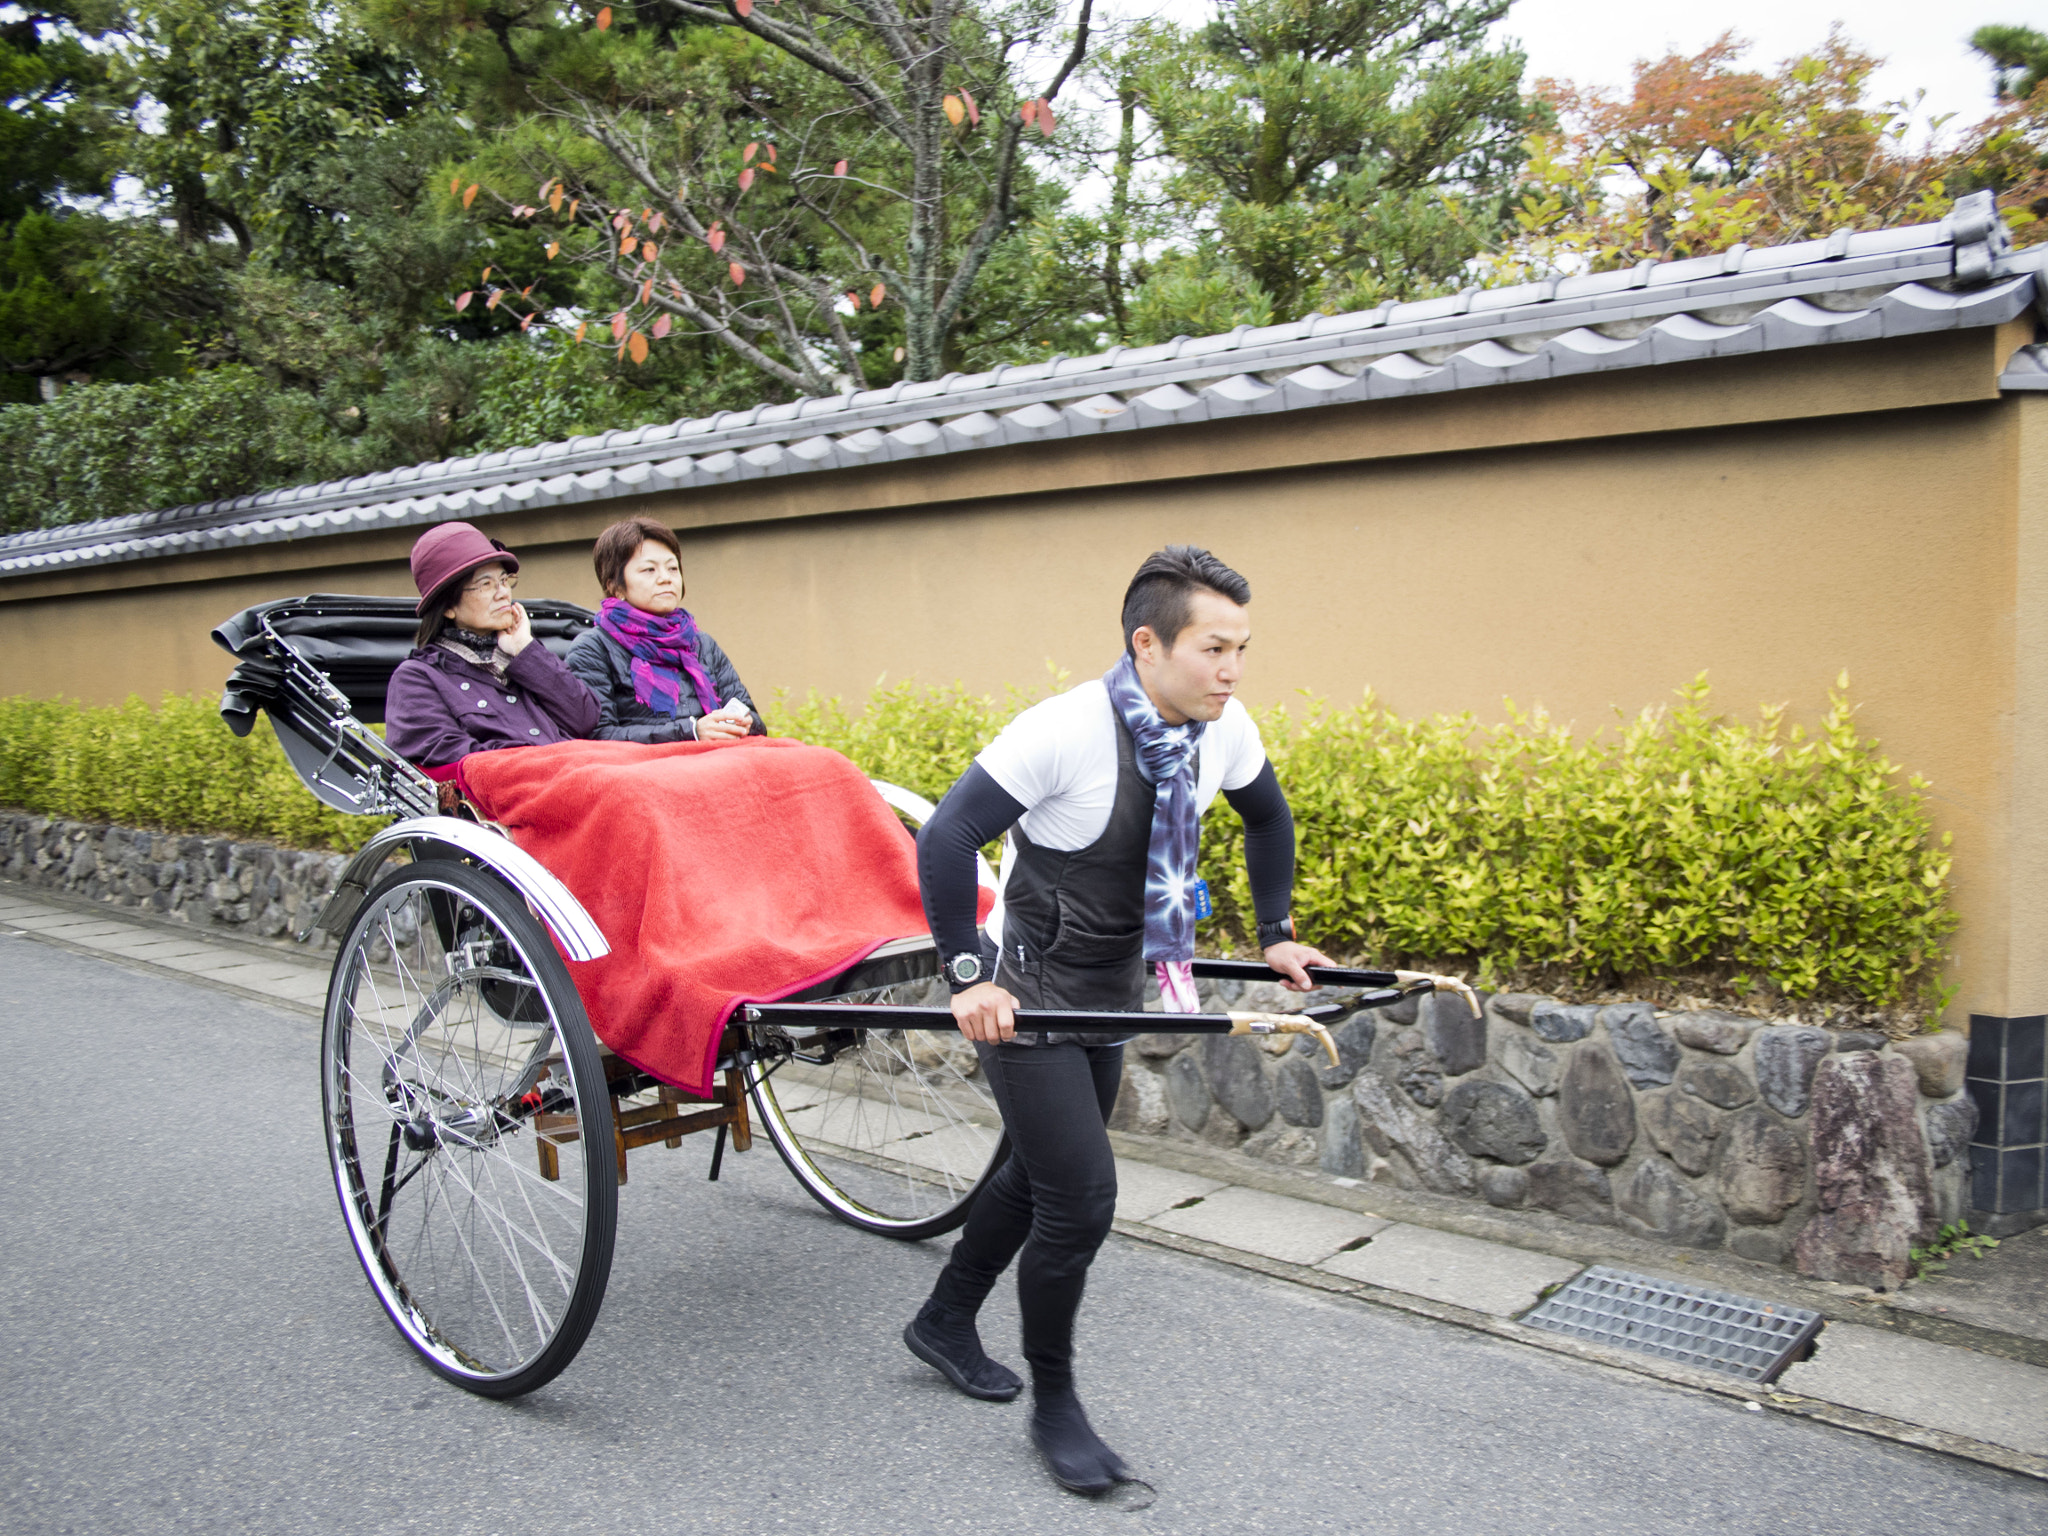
(1770, 540)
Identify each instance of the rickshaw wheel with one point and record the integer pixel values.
(894, 1132)
(469, 1128)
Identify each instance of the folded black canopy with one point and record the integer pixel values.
(357, 641)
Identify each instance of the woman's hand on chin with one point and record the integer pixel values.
(516, 639)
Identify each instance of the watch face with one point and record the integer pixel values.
(964, 969)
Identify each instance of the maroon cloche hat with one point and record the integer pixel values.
(450, 550)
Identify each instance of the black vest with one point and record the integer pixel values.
(1074, 923)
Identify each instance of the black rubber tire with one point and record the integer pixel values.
(878, 1193)
(452, 1103)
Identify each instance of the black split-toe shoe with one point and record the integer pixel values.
(1073, 1452)
(953, 1349)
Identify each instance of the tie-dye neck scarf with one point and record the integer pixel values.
(1166, 760)
(663, 648)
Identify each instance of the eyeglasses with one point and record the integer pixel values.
(492, 584)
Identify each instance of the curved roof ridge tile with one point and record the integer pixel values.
(1960, 271)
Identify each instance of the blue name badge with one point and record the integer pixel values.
(1203, 906)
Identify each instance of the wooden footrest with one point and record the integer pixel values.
(645, 1124)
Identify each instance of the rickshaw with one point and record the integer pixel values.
(477, 1129)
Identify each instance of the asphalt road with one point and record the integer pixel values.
(186, 1344)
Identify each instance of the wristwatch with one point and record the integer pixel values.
(963, 969)
(1279, 931)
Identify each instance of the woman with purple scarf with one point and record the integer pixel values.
(657, 676)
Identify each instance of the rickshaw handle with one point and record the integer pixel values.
(1310, 1021)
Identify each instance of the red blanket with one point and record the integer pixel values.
(720, 874)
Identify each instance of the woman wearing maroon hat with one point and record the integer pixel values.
(476, 680)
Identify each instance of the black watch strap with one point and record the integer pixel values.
(1279, 931)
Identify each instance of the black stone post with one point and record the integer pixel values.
(2008, 1158)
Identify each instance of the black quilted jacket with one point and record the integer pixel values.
(607, 667)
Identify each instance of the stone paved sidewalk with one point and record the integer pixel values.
(1367, 1241)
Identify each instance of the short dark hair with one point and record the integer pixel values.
(1161, 595)
(618, 544)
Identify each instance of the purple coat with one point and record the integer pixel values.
(441, 708)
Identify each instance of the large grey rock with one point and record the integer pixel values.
(1572, 1189)
(1343, 1149)
(1404, 1012)
(1354, 1039)
(1493, 1120)
(1504, 1187)
(1187, 1095)
(1860, 1040)
(1296, 1094)
(1786, 1056)
(1515, 1007)
(1561, 1023)
(1396, 1128)
(1683, 1129)
(1424, 1084)
(1655, 1202)
(1648, 1055)
(1759, 1169)
(1711, 1030)
(1949, 1129)
(1870, 1173)
(1140, 1102)
(1457, 1038)
(1595, 1108)
(1416, 1070)
(1720, 1083)
(1280, 1142)
(1159, 1047)
(1937, 1062)
(1237, 1079)
(1764, 1245)
(1529, 1062)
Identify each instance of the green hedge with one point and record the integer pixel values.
(1683, 845)
(174, 766)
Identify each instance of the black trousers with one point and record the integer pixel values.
(1050, 1206)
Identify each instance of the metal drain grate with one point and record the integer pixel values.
(1710, 1330)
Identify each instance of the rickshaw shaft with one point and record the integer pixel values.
(1064, 1021)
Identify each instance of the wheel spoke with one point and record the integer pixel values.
(486, 1265)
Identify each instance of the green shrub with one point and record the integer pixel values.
(921, 738)
(175, 767)
(1685, 844)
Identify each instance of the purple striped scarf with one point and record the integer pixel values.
(663, 648)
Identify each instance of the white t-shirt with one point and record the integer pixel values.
(1058, 761)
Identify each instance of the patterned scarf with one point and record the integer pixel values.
(663, 648)
(477, 647)
(1166, 760)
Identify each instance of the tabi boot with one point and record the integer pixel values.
(1073, 1452)
(951, 1345)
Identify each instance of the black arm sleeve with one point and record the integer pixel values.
(976, 810)
(1268, 843)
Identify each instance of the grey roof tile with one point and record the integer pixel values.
(1849, 287)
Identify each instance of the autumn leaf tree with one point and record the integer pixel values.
(817, 188)
(1703, 153)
